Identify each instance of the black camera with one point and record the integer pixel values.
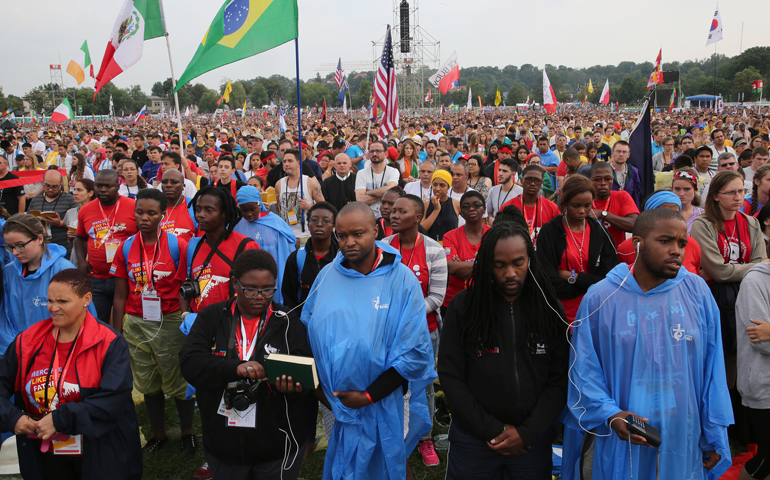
(241, 396)
(190, 290)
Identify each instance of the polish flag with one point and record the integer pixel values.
(605, 98)
(549, 97)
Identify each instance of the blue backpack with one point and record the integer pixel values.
(173, 248)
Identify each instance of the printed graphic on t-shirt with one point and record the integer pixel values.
(207, 282)
(35, 391)
(170, 227)
(101, 232)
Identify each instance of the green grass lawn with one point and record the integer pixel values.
(171, 464)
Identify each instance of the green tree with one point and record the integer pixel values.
(516, 94)
(626, 92)
(208, 101)
(259, 96)
(742, 83)
(238, 96)
(157, 90)
(196, 92)
(362, 96)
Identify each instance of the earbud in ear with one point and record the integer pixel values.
(637, 248)
(529, 262)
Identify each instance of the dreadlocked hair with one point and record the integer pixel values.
(758, 176)
(227, 202)
(480, 324)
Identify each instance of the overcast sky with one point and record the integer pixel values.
(558, 32)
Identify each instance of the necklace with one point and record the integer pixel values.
(582, 243)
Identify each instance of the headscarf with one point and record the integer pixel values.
(659, 198)
(250, 194)
(443, 175)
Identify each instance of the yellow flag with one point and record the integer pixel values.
(590, 86)
(497, 98)
(228, 90)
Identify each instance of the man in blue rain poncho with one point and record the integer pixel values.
(649, 345)
(365, 318)
(270, 231)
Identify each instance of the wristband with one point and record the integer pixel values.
(369, 397)
(184, 314)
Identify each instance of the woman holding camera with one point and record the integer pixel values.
(250, 429)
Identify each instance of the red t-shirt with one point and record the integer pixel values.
(621, 204)
(456, 243)
(561, 170)
(34, 383)
(177, 222)
(576, 259)
(691, 260)
(105, 225)
(537, 215)
(163, 269)
(735, 243)
(214, 280)
(747, 208)
(415, 259)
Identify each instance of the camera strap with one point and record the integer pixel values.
(214, 248)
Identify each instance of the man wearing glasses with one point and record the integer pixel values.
(376, 178)
(625, 176)
(537, 210)
(55, 200)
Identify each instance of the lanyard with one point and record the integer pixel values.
(259, 330)
(173, 209)
(109, 229)
(416, 243)
(500, 192)
(534, 219)
(147, 267)
(54, 367)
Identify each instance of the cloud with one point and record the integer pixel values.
(484, 32)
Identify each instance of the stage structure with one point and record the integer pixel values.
(416, 54)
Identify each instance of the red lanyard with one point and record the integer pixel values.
(259, 329)
(408, 263)
(534, 219)
(53, 370)
(109, 229)
(147, 267)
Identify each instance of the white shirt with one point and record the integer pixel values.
(416, 188)
(434, 136)
(368, 180)
(496, 198)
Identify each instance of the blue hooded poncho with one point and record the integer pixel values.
(25, 299)
(270, 232)
(659, 355)
(356, 338)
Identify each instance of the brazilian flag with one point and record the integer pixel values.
(240, 29)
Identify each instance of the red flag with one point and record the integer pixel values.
(323, 113)
(220, 100)
(265, 114)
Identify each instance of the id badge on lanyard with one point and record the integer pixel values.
(111, 248)
(151, 306)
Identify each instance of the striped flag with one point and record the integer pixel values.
(80, 64)
(385, 88)
(338, 74)
(427, 97)
(671, 105)
(142, 113)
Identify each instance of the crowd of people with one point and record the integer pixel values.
(514, 258)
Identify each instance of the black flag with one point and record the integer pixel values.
(640, 142)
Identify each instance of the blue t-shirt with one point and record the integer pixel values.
(549, 159)
(456, 156)
(423, 155)
(355, 152)
(150, 171)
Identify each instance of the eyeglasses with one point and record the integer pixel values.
(323, 221)
(19, 247)
(728, 164)
(376, 150)
(532, 180)
(475, 206)
(255, 292)
(734, 193)
(51, 187)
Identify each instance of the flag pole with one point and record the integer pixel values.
(173, 77)
(299, 136)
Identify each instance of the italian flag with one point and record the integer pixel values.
(138, 20)
(63, 112)
(78, 65)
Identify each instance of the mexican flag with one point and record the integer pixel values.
(240, 29)
(138, 20)
(63, 112)
(78, 65)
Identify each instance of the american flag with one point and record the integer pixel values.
(339, 73)
(385, 88)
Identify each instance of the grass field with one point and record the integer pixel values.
(171, 464)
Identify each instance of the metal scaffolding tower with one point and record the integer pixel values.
(415, 53)
(57, 83)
